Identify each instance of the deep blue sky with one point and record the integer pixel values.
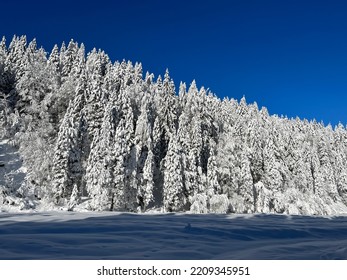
(290, 55)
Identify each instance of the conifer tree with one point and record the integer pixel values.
(3, 56)
(101, 164)
(213, 186)
(174, 198)
(68, 152)
(65, 153)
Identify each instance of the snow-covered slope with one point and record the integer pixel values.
(70, 235)
(12, 175)
(90, 127)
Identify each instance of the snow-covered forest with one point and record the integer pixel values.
(100, 135)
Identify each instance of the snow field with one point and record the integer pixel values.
(71, 235)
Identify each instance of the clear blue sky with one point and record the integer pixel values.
(290, 55)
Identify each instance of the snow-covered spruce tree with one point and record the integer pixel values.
(213, 186)
(228, 165)
(189, 134)
(159, 152)
(3, 56)
(3, 53)
(208, 197)
(166, 104)
(94, 97)
(67, 57)
(64, 153)
(144, 154)
(64, 87)
(4, 89)
(340, 144)
(246, 188)
(67, 168)
(174, 194)
(54, 63)
(34, 83)
(101, 163)
(145, 194)
(15, 56)
(165, 122)
(127, 149)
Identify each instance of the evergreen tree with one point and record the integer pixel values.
(68, 157)
(174, 198)
(65, 154)
(101, 164)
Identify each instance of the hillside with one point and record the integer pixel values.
(100, 135)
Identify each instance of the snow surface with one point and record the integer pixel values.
(103, 235)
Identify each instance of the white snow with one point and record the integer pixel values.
(12, 173)
(110, 235)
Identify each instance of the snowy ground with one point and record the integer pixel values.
(70, 235)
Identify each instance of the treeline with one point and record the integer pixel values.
(113, 138)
